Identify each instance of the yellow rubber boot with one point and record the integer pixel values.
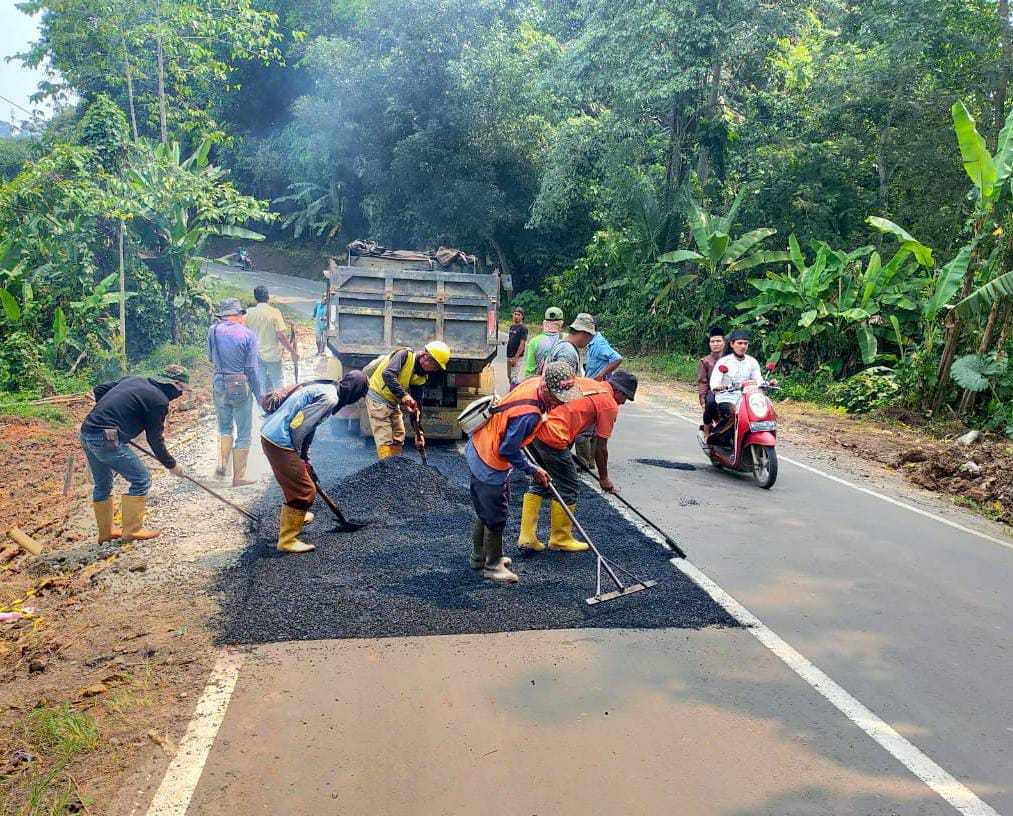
(386, 451)
(561, 536)
(224, 453)
(240, 456)
(133, 519)
(104, 521)
(292, 521)
(528, 539)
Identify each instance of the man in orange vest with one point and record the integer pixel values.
(496, 448)
(596, 411)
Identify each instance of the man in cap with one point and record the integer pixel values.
(232, 349)
(124, 408)
(739, 369)
(517, 343)
(716, 341)
(266, 321)
(495, 449)
(600, 359)
(542, 344)
(596, 410)
(391, 379)
(286, 436)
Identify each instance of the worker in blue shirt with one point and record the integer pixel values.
(600, 360)
(286, 436)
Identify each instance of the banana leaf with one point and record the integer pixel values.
(978, 162)
(948, 281)
(922, 253)
(985, 297)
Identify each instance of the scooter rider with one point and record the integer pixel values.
(732, 372)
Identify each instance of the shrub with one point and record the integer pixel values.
(867, 390)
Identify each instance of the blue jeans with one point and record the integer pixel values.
(104, 463)
(236, 415)
(270, 373)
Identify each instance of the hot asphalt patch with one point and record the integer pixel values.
(407, 572)
(667, 464)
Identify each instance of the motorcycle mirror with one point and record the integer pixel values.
(723, 369)
(771, 366)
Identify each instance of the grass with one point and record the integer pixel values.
(54, 736)
(674, 364)
(47, 413)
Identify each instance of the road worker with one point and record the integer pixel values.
(390, 383)
(542, 344)
(597, 410)
(286, 436)
(495, 449)
(124, 408)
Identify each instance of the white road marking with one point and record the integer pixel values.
(180, 781)
(955, 525)
(940, 781)
(956, 793)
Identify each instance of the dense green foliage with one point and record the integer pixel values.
(834, 175)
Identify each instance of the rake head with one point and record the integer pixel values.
(605, 597)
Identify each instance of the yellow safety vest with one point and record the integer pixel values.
(406, 377)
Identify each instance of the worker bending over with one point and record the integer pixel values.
(390, 382)
(286, 436)
(123, 409)
(596, 410)
(495, 449)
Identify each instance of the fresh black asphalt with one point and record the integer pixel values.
(406, 573)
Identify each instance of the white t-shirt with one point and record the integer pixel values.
(738, 372)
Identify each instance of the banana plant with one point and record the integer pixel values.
(715, 252)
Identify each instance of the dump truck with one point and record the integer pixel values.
(382, 300)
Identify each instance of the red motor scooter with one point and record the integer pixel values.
(746, 440)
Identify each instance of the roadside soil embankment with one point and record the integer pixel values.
(977, 475)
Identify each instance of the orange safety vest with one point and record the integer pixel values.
(558, 429)
(489, 437)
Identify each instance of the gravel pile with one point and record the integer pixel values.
(407, 572)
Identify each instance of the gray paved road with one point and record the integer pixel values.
(908, 615)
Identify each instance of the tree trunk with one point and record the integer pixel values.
(130, 100)
(160, 56)
(123, 303)
(952, 339)
(703, 166)
(967, 400)
(1002, 86)
(673, 161)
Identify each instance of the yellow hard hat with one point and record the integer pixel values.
(439, 351)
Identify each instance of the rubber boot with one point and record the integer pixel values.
(496, 566)
(133, 519)
(224, 453)
(239, 458)
(561, 537)
(104, 520)
(386, 451)
(292, 521)
(477, 559)
(528, 539)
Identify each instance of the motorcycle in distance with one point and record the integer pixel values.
(747, 442)
(243, 259)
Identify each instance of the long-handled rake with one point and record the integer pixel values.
(679, 553)
(602, 563)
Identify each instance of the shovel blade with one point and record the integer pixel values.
(605, 597)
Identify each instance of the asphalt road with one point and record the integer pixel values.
(909, 616)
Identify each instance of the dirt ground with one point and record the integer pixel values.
(99, 679)
(978, 476)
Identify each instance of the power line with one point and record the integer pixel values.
(16, 105)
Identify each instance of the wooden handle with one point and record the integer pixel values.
(24, 541)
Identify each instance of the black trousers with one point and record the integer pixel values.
(561, 468)
(491, 503)
(710, 409)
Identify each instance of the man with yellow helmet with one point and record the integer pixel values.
(390, 384)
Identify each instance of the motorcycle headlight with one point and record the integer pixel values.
(765, 425)
(758, 404)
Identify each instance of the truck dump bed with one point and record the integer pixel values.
(380, 303)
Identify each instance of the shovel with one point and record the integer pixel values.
(420, 438)
(344, 525)
(610, 567)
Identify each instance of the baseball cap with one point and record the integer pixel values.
(558, 377)
(625, 382)
(174, 375)
(229, 307)
(553, 313)
(584, 322)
